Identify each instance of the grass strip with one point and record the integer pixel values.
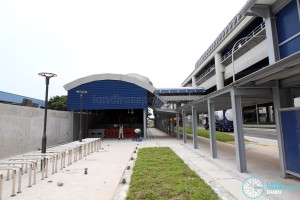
(160, 174)
(220, 136)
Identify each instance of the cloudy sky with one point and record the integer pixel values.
(160, 39)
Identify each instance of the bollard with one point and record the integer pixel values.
(86, 170)
(1, 182)
(14, 174)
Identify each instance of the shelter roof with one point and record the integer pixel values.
(136, 79)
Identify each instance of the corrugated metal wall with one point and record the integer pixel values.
(108, 94)
(17, 99)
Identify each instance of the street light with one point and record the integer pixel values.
(239, 43)
(44, 138)
(81, 92)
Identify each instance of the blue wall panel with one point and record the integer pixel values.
(290, 122)
(287, 21)
(290, 48)
(288, 25)
(108, 94)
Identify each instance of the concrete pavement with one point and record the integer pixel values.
(108, 167)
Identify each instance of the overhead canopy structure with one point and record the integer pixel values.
(180, 91)
(179, 95)
(114, 99)
(110, 91)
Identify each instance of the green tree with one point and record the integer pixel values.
(58, 103)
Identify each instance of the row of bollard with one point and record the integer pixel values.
(132, 158)
(70, 152)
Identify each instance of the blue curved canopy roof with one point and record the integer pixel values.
(109, 91)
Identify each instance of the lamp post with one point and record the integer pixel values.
(239, 43)
(44, 138)
(81, 92)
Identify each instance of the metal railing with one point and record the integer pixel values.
(245, 40)
(232, 24)
(211, 68)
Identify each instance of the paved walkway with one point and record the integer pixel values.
(108, 167)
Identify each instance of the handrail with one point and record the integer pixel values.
(246, 39)
(232, 24)
(212, 67)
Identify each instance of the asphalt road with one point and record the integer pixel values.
(260, 133)
(257, 132)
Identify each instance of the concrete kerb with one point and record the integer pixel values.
(123, 187)
(116, 157)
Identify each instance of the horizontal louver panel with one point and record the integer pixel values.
(108, 94)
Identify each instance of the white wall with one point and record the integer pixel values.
(21, 128)
(297, 102)
(254, 55)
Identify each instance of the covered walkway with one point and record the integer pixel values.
(108, 167)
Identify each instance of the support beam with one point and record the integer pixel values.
(238, 131)
(145, 122)
(194, 127)
(173, 127)
(276, 100)
(287, 72)
(219, 71)
(291, 81)
(212, 128)
(270, 24)
(177, 126)
(184, 126)
(253, 92)
(194, 84)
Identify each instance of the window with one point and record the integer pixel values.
(298, 5)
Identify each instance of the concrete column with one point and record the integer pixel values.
(166, 125)
(270, 113)
(257, 114)
(219, 68)
(212, 128)
(170, 127)
(194, 127)
(238, 131)
(184, 126)
(72, 127)
(173, 128)
(273, 52)
(194, 84)
(145, 122)
(177, 126)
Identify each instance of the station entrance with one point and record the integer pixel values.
(107, 102)
(106, 123)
